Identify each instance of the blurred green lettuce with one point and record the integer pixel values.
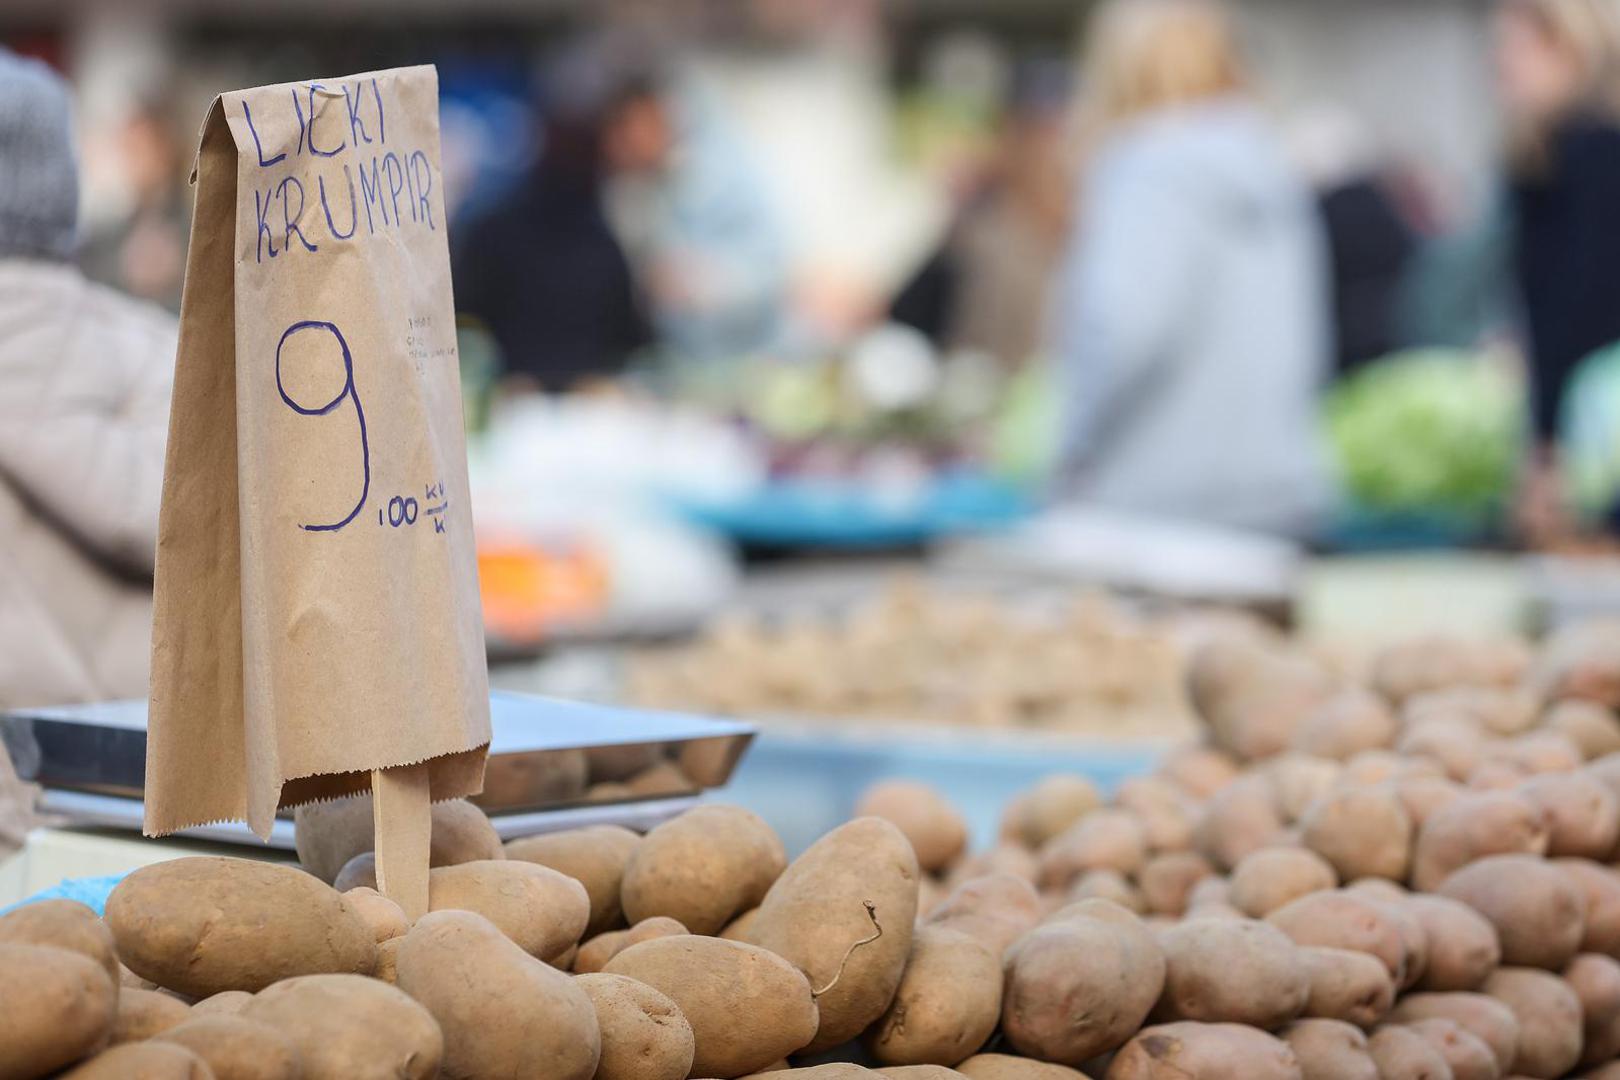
(1431, 432)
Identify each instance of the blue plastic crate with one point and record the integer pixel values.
(806, 781)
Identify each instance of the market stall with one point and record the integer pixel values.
(800, 540)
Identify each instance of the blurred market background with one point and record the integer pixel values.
(883, 370)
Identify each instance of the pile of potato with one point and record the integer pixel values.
(1405, 876)
(927, 655)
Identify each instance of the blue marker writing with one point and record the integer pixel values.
(290, 218)
(357, 123)
(257, 145)
(312, 147)
(371, 192)
(264, 235)
(354, 211)
(396, 180)
(349, 391)
(424, 185)
(382, 132)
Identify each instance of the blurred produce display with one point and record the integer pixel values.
(1434, 433)
(1405, 873)
(575, 536)
(889, 384)
(886, 442)
(928, 656)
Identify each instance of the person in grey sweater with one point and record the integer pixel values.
(1191, 317)
(85, 377)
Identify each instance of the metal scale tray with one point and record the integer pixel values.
(552, 765)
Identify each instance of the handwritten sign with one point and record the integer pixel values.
(344, 139)
(317, 618)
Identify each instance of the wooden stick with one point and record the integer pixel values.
(402, 815)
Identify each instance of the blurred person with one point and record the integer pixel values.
(85, 377)
(542, 268)
(1191, 318)
(143, 251)
(1558, 74)
(985, 288)
(1371, 242)
(687, 202)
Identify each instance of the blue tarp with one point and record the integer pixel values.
(92, 891)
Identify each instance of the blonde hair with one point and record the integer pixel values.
(1589, 32)
(1144, 55)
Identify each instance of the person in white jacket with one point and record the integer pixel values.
(1191, 315)
(85, 376)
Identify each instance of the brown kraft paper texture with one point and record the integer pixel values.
(317, 611)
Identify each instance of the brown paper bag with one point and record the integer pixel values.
(317, 609)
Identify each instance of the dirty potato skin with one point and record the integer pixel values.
(1269, 878)
(1403, 1054)
(947, 1005)
(747, 1007)
(1362, 832)
(203, 924)
(1595, 978)
(843, 913)
(644, 1035)
(1239, 819)
(66, 924)
(1207, 1052)
(1330, 1049)
(1081, 985)
(1414, 939)
(348, 1027)
(385, 917)
(1106, 839)
(1600, 886)
(1472, 827)
(837, 1070)
(1346, 724)
(543, 911)
(936, 831)
(595, 856)
(1050, 807)
(142, 1061)
(594, 954)
(145, 1013)
(1538, 912)
(1344, 920)
(1200, 771)
(502, 1012)
(1489, 1019)
(831, 1071)
(1167, 880)
(238, 1049)
(995, 910)
(703, 868)
(1347, 985)
(56, 1006)
(1583, 815)
(1465, 1053)
(1463, 948)
(1232, 971)
(224, 1003)
(1549, 1015)
(1004, 1067)
(328, 835)
(461, 833)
